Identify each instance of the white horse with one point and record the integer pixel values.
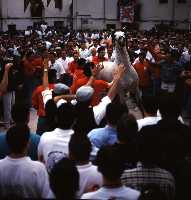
(130, 80)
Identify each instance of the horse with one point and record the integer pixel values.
(130, 80)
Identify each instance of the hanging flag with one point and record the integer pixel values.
(48, 2)
(26, 3)
(127, 14)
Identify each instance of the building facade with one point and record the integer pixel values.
(23, 13)
(101, 14)
(94, 14)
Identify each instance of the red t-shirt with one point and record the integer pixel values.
(72, 66)
(96, 60)
(143, 73)
(37, 100)
(100, 87)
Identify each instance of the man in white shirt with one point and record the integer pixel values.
(150, 107)
(83, 51)
(54, 145)
(64, 60)
(79, 151)
(53, 64)
(111, 166)
(20, 177)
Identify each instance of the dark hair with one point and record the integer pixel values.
(150, 104)
(81, 62)
(109, 162)
(65, 116)
(169, 106)
(20, 113)
(87, 68)
(101, 49)
(127, 128)
(64, 179)
(17, 138)
(66, 79)
(149, 149)
(80, 147)
(50, 115)
(114, 111)
(51, 75)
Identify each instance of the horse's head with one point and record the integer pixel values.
(119, 38)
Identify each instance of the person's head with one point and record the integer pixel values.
(150, 104)
(114, 111)
(169, 106)
(17, 138)
(52, 56)
(66, 79)
(79, 148)
(93, 51)
(83, 44)
(101, 52)
(20, 113)
(63, 53)
(65, 116)
(109, 163)
(51, 75)
(64, 179)
(149, 149)
(127, 128)
(75, 56)
(88, 69)
(81, 62)
(84, 95)
(95, 42)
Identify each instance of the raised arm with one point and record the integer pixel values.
(45, 74)
(117, 76)
(4, 82)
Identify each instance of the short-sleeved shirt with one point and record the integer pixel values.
(100, 87)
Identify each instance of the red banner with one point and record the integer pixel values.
(127, 14)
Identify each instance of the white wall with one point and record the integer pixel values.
(95, 10)
(153, 10)
(15, 9)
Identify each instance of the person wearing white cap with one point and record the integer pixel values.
(88, 117)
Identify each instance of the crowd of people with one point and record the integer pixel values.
(88, 144)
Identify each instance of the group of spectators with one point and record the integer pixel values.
(88, 144)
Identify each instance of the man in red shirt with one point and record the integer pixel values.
(100, 86)
(72, 66)
(37, 101)
(143, 70)
(100, 57)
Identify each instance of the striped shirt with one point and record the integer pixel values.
(142, 178)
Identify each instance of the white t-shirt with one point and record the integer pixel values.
(24, 178)
(147, 121)
(98, 110)
(58, 67)
(64, 63)
(89, 178)
(113, 193)
(54, 145)
(84, 53)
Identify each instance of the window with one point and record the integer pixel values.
(181, 1)
(163, 1)
(58, 4)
